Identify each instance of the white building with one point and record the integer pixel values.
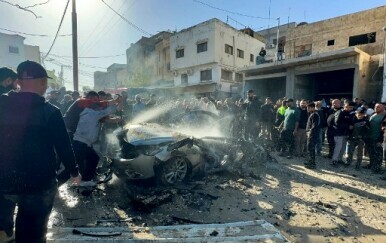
(204, 58)
(13, 51)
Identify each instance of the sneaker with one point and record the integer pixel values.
(87, 184)
(310, 166)
(5, 238)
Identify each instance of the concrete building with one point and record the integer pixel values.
(13, 51)
(270, 36)
(338, 57)
(148, 61)
(204, 58)
(114, 78)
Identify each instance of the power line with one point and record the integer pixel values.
(103, 29)
(127, 21)
(89, 57)
(231, 12)
(39, 35)
(57, 32)
(103, 18)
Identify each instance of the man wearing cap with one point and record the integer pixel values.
(32, 135)
(7, 80)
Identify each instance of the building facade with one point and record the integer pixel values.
(114, 78)
(334, 58)
(204, 58)
(148, 61)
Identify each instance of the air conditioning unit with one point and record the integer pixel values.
(175, 73)
(189, 72)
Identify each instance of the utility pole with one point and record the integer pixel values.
(75, 46)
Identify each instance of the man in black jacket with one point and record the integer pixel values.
(32, 135)
(7, 80)
(342, 126)
(252, 113)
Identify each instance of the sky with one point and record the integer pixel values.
(101, 32)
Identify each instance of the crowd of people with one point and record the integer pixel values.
(50, 138)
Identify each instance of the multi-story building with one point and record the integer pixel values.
(204, 58)
(148, 61)
(13, 51)
(338, 57)
(114, 78)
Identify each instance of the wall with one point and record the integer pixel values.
(8, 59)
(32, 53)
(216, 34)
(338, 29)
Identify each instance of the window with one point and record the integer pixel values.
(184, 79)
(180, 53)
(239, 77)
(228, 49)
(14, 49)
(202, 47)
(362, 39)
(226, 75)
(251, 58)
(274, 41)
(240, 53)
(330, 42)
(206, 75)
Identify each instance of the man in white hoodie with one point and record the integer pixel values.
(86, 135)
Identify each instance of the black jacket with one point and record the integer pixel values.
(342, 122)
(32, 132)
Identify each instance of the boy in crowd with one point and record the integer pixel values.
(312, 128)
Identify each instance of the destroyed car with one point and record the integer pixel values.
(176, 158)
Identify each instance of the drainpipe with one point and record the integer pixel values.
(384, 66)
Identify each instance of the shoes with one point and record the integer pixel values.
(87, 184)
(5, 238)
(310, 166)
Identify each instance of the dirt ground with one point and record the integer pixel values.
(329, 204)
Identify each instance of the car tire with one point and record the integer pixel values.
(175, 170)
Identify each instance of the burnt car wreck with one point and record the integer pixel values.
(172, 160)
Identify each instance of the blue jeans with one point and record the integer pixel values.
(319, 140)
(32, 216)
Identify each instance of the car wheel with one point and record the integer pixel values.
(173, 171)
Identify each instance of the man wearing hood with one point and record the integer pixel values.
(33, 134)
(7, 80)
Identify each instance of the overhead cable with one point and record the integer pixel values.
(231, 12)
(127, 21)
(57, 32)
(93, 57)
(39, 35)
